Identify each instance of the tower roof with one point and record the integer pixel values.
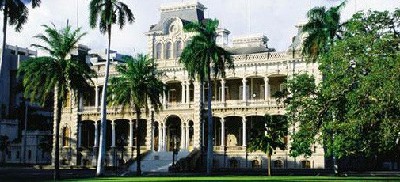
(186, 11)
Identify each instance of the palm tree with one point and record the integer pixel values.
(201, 57)
(322, 28)
(136, 83)
(107, 13)
(14, 13)
(271, 139)
(56, 73)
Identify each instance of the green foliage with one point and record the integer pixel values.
(322, 28)
(202, 51)
(271, 137)
(42, 74)
(136, 82)
(17, 12)
(355, 109)
(109, 12)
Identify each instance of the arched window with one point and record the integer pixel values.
(168, 51)
(66, 136)
(178, 48)
(158, 51)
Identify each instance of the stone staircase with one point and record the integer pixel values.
(158, 162)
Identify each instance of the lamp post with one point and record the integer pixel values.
(174, 149)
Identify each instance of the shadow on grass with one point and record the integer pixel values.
(240, 178)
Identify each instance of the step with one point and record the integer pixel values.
(158, 161)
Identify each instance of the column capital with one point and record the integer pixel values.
(223, 80)
(266, 79)
(222, 120)
(244, 80)
(244, 119)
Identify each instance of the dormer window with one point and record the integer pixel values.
(168, 51)
(158, 51)
(178, 48)
(172, 28)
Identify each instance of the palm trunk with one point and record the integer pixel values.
(102, 147)
(269, 164)
(5, 12)
(210, 124)
(138, 170)
(57, 119)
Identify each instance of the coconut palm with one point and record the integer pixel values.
(201, 57)
(56, 73)
(15, 13)
(271, 138)
(322, 28)
(136, 83)
(106, 13)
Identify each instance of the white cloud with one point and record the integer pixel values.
(274, 18)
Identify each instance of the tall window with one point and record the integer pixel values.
(178, 48)
(168, 51)
(66, 136)
(158, 51)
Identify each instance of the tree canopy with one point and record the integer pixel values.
(354, 110)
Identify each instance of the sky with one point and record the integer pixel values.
(274, 18)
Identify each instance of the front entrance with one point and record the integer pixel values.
(173, 133)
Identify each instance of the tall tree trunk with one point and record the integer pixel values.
(210, 124)
(103, 125)
(138, 169)
(5, 13)
(269, 164)
(57, 119)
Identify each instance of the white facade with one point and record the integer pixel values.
(240, 102)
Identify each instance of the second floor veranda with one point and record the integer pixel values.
(250, 92)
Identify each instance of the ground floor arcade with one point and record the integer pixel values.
(231, 136)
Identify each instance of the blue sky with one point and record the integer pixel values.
(274, 18)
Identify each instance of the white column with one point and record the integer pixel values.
(96, 102)
(183, 134)
(223, 90)
(160, 136)
(183, 92)
(131, 126)
(244, 96)
(222, 132)
(187, 136)
(202, 132)
(113, 133)
(187, 92)
(244, 131)
(164, 97)
(266, 88)
(251, 89)
(79, 134)
(96, 134)
(164, 138)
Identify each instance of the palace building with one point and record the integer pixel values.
(240, 102)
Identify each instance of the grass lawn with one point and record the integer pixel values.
(240, 178)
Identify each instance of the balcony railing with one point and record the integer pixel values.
(271, 103)
(229, 148)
